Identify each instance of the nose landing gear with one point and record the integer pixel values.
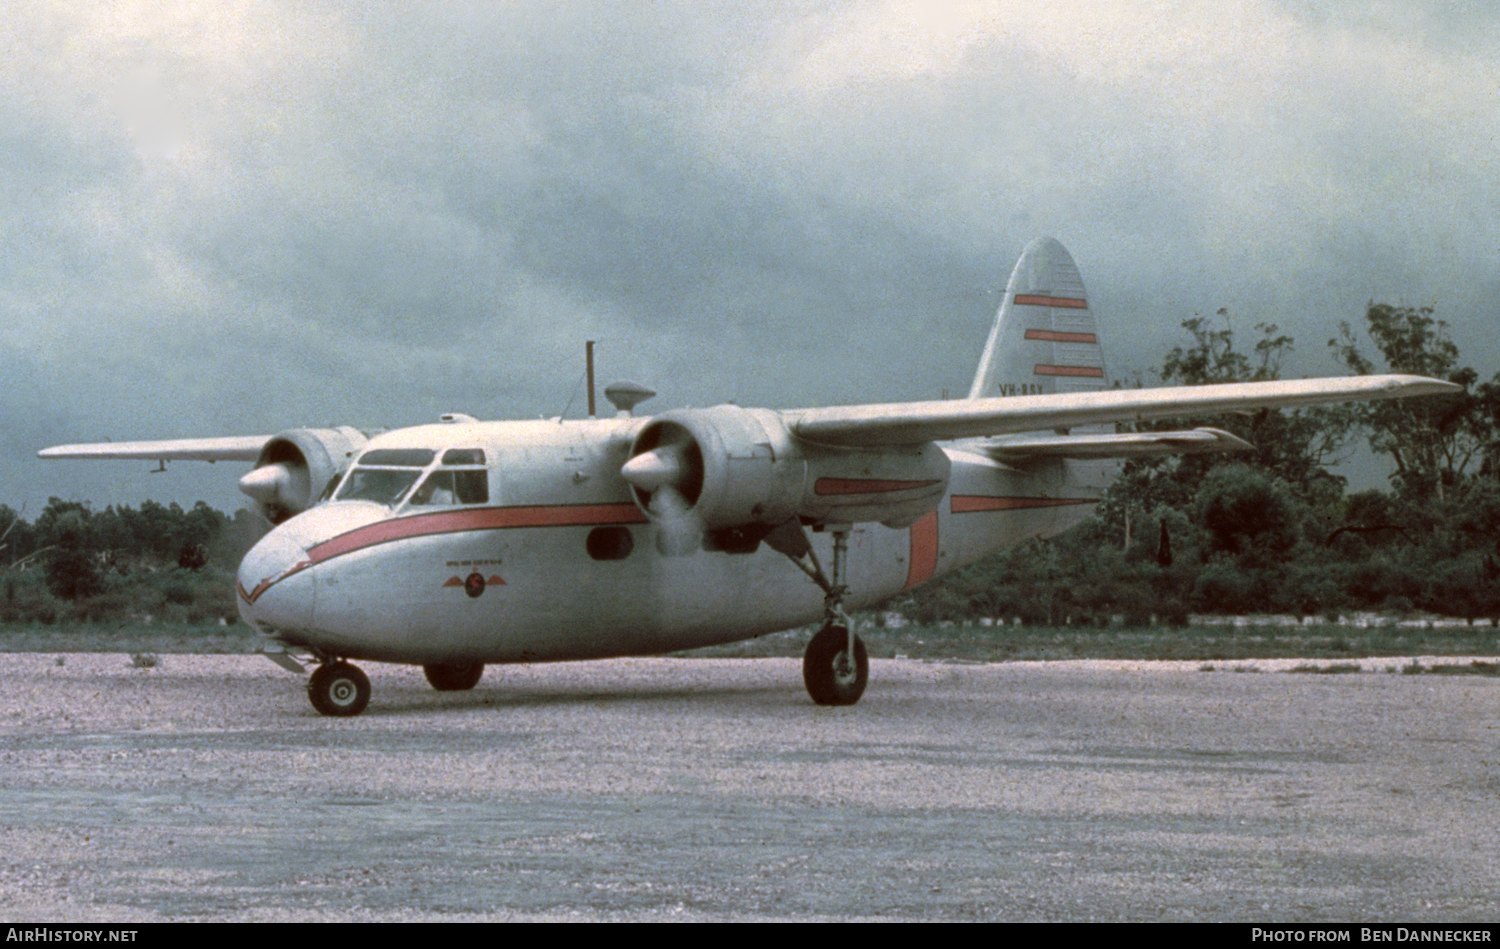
(338, 689)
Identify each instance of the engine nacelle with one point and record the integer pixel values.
(733, 471)
(295, 468)
(892, 485)
(735, 466)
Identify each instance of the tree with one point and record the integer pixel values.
(1212, 358)
(72, 570)
(1432, 441)
(1244, 509)
(1292, 447)
(1296, 446)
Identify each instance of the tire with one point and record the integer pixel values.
(338, 689)
(454, 677)
(830, 678)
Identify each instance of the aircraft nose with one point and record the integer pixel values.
(276, 588)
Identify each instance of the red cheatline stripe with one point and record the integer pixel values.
(1035, 299)
(1055, 337)
(453, 522)
(482, 519)
(1093, 372)
(924, 550)
(865, 485)
(972, 503)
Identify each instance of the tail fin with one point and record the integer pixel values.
(1044, 339)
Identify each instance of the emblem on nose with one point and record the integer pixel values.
(474, 584)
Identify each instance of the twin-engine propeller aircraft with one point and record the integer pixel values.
(463, 543)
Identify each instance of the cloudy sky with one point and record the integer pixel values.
(239, 216)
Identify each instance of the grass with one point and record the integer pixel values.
(133, 639)
(1338, 668)
(1208, 644)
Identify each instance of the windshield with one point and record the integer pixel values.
(386, 475)
(381, 485)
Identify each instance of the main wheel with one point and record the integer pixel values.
(831, 677)
(454, 677)
(339, 689)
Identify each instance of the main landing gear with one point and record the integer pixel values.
(454, 677)
(832, 677)
(835, 667)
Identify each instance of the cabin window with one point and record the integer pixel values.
(610, 543)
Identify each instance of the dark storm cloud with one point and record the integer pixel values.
(227, 218)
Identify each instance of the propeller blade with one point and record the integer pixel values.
(678, 530)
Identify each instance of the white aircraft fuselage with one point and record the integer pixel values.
(516, 578)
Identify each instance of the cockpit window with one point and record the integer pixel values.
(398, 457)
(463, 456)
(453, 487)
(386, 476)
(381, 485)
(328, 489)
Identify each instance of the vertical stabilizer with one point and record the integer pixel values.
(1044, 339)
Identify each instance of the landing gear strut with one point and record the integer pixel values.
(338, 689)
(835, 667)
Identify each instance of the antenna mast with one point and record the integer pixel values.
(588, 349)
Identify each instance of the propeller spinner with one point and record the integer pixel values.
(668, 479)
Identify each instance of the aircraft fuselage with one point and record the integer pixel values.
(559, 562)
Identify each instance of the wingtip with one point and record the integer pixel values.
(1423, 385)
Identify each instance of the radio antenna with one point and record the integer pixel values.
(588, 350)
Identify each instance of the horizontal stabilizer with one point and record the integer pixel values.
(1022, 448)
(233, 448)
(912, 423)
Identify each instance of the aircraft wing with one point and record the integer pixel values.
(912, 423)
(234, 448)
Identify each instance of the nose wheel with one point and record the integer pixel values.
(338, 689)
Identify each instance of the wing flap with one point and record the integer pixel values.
(231, 448)
(910, 423)
(1023, 448)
